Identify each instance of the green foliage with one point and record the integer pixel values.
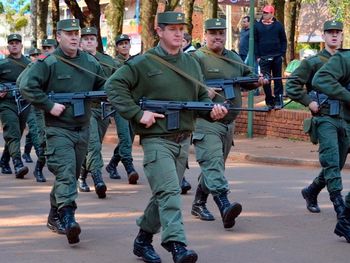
(301, 46)
(14, 11)
(2, 9)
(20, 23)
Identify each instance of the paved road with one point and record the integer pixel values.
(273, 227)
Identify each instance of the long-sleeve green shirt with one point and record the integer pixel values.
(53, 74)
(143, 76)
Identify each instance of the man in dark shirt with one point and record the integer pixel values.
(244, 38)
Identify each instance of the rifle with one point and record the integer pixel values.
(227, 85)
(11, 87)
(172, 109)
(323, 100)
(107, 109)
(77, 99)
(8, 87)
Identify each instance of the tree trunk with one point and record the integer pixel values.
(291, 24)
(114, 14)
(170, 5)
(76, 11)
(33, 22)
(55, 14)
(43, 10)
(188, 9)
(210, 9)
(279, 10)
(94, 19)
(148, 14)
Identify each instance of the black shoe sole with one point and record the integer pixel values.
(185, 189)
(22, 172)
(341, 234)
(133, 177)
(55, 229)
(73, 234)
(229, 218)
(198, 215)
(139, 254)
(315, 210)
(101, 191)
(192, 258)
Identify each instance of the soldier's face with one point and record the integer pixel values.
(89, 43)
(123, 47)
(69, 41)
(215, 39)
(48, 49)
(15, 47)
(333, 38)
(171, 36)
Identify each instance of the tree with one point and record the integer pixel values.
(14, 14)
(148, 14)
(291, 26)
(55, 14)
(33, 22)
(114, 14)
(170, 5)
(43, 10)
(188, 10)
(210, 9)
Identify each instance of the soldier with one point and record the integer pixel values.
(329, 127)
(333, 79)
(48, 45)
(165, 152)
(213, 140)
(93, 162)
(67, 69)
(13, 123)
(123, 151)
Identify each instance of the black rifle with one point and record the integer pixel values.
(227, 84)
(171, 109)
(11, 87)
(107, 109)
(323, 100)
(77, 99)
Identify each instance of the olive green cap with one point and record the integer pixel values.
(14, 37)
(215, 23)
(121, 37)
(68, 25)
(34, 51)
(89, 31)
(173, 18)
(333, 24)
(48, 43)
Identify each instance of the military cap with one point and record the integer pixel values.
(68, 25)
(332, 24)
(14, 37)
(48, 43)
(89, 31)
(121, 37)
(34, 51)
(215, 23)
(173, 18)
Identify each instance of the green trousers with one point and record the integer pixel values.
(65, 151)
(98, 129)
(164, 165)
(32, 137)
(333, 136)
(13, 126)
(212, 142)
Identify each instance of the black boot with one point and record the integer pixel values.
(342, 228)
(143, 247)
(20, 169)
(5, 162)
(27, 158)
(228, 211)
(100, 186)
(199, 207)
(310, 194)
(54, 223)
(38, 173)
(338, 203)
(133, 176)
(111, 168)
(185, 186)
(180, 253)
(82, 185)
(72, 228)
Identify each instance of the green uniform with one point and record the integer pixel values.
(66, 136)
(333, 79)
(331, 130)
(13, 124)
(165, 152)
(213, 140)
(98, 126)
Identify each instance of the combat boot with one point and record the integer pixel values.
(310, 194)
(38, 173)
(342, 228)
(20, 169)
(5, 167)
(133, 176)
(180, 253)
(72, 228)
(54, 223)
(199, 207)
(228, 211)
(338, 203)
(143, 247)
(27, 158)
(111, 168)
(100, 186)
(185, 186)
(82, 185)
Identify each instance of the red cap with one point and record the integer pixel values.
(269, 9)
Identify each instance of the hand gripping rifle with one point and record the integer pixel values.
(172, 109)
(12, 88)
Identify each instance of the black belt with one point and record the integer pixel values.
(174, 137)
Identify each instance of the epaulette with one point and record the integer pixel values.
(49, 59)
(234, 51)
(43, 56)
(133, 56)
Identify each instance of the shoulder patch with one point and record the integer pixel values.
(49, 59)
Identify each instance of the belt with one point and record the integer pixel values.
(174, 137)
(226, 122)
